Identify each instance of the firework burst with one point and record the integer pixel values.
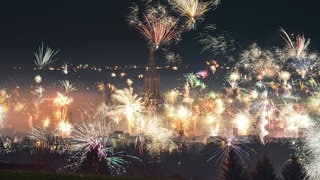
(312, 153)
(217, 43)
(127, 105)
(65, 84)
(44, 58)
(3, 111)
(296, 55)
(90, 138)
(160, 138)
(193, 10)
(62, 102)
(155, 24)
(225, 145)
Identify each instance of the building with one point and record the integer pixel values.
(152, 83)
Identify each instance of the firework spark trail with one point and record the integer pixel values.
(311, 153)
(4, 96)
(294, 119)
(299, 46)
(65, 84)
(2, 116)
(217, 43)
(259, 62)
(228, 143)
(313, 103)
(156, 25)
(160, 137)
(127, 105)
(64, 128)
(297, 56)
(44, 58)
(62, 102)
(194, 81)
(172, 58)
(193, 10)
(265, 72)
(39, 133)
(87, 136)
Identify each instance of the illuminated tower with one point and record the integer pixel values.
(152, 83)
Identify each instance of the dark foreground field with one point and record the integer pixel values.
(26, 175)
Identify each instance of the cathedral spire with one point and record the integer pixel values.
(152, 82)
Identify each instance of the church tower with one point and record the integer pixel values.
(152, 83)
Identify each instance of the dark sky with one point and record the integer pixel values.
(96, 32)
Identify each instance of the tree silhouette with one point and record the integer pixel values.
(264, 170)
(232, 168)
(94, 163)
(293, 170)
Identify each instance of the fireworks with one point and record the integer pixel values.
(2, 116)
(156, 25)
(242, 123)
(128, 105)
(263, 94)
(44, 59)
(160, 138)
(67, 86)
(173, 59)
(312, 153)
(38, 79)
(297, 56)
(64, 128)
(217, 43)
(90, 138)
(226, 144)
(40, 134)
(62, 102)
(193, 10)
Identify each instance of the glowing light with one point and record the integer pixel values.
(38, 79)
(242, 123)
(193, 9)
(44, 59)
(64, 128)
(155, 25)
(2, 116)
(128, 105)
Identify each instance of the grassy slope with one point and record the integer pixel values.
(26, 175)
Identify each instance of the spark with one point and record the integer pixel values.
(223, 145)
(3, 114)
(159, 136)
(90, 136)
(193, 9)
(44, 59)
(312, 153)
(217, 43)
(65, 84)
(156, 25)
(38, 79)
(62, 101)
(127, 105)
(64, 128)
(173, 59)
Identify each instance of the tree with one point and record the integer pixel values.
(232, 168)
(264, 170)
(293, 170)
(93, 163)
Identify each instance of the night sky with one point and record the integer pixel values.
(96, 32)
